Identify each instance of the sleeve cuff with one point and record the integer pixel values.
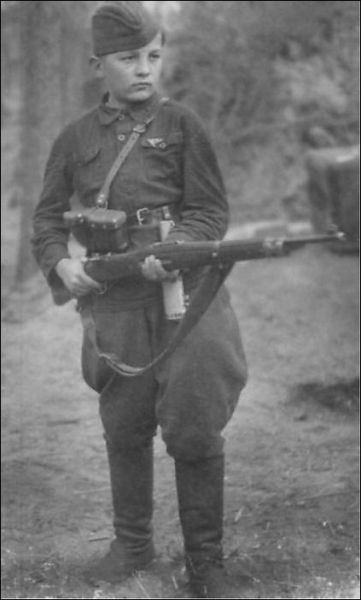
(52, 254)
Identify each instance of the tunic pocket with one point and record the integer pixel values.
(162, 156)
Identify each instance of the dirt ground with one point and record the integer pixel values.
(291, 493)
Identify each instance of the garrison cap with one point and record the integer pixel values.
(122, 26)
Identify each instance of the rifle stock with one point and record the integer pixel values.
(186, 255)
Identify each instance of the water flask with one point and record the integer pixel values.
(173, 291)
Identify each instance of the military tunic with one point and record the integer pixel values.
(193, 394)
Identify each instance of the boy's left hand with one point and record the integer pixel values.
(153, 270)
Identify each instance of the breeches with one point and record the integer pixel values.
(191, 395)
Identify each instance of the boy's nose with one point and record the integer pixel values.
(143, 66)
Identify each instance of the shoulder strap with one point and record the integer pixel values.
(203, 296)
(102, 198)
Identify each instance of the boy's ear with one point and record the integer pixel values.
(97, 66)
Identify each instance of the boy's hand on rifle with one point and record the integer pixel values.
(75, 279)
(153, 270)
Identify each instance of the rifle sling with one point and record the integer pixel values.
(203, 296)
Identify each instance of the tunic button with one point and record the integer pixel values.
(121, 137)
(121, 117)
(162, 145)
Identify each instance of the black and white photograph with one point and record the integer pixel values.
(180, 299)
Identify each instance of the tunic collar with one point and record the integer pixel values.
(139, 112)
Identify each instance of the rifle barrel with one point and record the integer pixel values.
(184, 255)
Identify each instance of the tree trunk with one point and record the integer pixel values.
(53, 48)
(41, 114)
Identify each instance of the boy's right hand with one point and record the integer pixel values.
(75, 279)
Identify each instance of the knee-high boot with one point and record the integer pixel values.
(131, 476)
(200, 498)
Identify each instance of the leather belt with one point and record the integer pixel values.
(149, 216)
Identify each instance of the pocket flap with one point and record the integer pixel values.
(87, 155)
(162, 142)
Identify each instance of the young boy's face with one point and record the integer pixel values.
(132, 76)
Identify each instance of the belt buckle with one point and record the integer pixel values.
(142, 214)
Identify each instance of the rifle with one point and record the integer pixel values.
(186, 255)
(219, 256)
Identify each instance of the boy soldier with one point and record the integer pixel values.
(191, 396)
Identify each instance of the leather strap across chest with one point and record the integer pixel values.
(138, 130)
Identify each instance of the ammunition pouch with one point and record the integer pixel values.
(99, 230)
